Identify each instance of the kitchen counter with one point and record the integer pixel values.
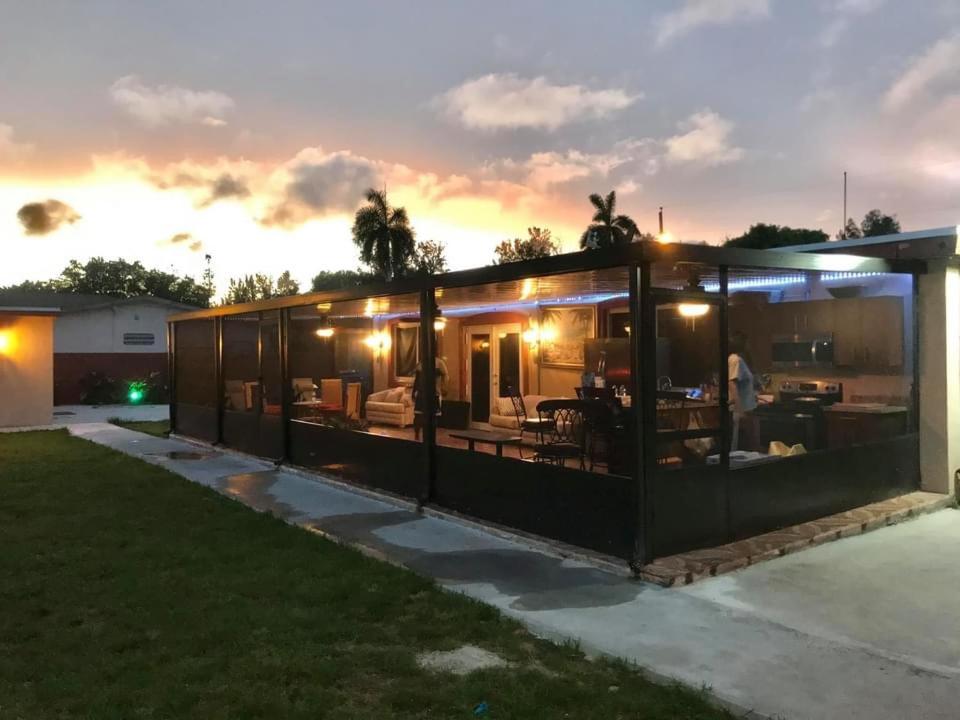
(869, 408)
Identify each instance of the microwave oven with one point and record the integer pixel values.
(799, 351)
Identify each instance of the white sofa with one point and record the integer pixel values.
(502, 415)
(390, 407)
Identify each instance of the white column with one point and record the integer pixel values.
(939, 316)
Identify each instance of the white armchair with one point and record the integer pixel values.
(503, 415)
(390, 407)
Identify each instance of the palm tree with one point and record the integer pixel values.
(384, 236)
(607, 229)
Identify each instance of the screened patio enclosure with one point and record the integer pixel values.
(584, 398)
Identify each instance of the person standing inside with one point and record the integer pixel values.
(419, 402)
(743, 390)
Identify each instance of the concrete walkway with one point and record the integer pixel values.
(72, 414)
(864, 628)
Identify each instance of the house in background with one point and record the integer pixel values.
(120, 338)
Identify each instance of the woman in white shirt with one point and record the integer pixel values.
(743, 393)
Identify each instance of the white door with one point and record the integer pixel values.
(493, 366)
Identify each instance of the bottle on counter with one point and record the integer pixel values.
(600, 378)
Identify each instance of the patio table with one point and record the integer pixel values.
(497, 439)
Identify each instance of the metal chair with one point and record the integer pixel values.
(538, 425)
(568, 437)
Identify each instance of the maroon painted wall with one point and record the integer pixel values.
(70, 368)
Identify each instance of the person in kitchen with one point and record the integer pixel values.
(743, 386)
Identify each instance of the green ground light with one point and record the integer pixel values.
(135, 393)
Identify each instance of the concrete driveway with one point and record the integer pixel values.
(859, 629)
(892, 592)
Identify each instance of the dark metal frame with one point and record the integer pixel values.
(644, 298)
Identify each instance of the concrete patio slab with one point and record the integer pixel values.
(861, 628)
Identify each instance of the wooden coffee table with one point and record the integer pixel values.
(497, 439)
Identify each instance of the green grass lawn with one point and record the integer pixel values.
(128, 592)
(160, 428)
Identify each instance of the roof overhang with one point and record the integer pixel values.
(941, 242)
(585, 260)
(42, 311)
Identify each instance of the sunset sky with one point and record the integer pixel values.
(163, 131)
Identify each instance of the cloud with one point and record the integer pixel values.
(628, 186)
(696, 13)
(842, 13)
(705, 142)
(43, 218)
(500, 101)
(161, 105)
(9, 148)
(319, 183)
(183, 239)
(224, 187)
(939, 62)
(542, 170)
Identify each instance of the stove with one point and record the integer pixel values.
(822, 392)
(797, 417)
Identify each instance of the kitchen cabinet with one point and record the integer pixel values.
(809, 318)
(757, 319)
(846, 428)
(868, 333)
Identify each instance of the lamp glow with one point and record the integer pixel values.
(325, 332)
(693, 310)
(378, 341)
(6, 342)
(439, 324)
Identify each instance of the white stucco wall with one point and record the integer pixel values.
(26, 371)
(939, 377)
(102, 330)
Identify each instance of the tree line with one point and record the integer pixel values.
(388, 250)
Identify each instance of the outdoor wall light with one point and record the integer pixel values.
(6, 342)
(693, 310)
(534, 335)
(378, 341)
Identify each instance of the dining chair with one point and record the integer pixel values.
(353, 401)
(538, 425)
(568, 435)
(331, 392)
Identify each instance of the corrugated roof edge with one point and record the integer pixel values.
(950, 231)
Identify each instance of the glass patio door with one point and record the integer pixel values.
(493, 367)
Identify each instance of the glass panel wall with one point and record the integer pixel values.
(536, 422)
(196, 379)
(829, 357)
(353, 366)
(241, 364)
(686, 479)
(824, 404)
(251, 404)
